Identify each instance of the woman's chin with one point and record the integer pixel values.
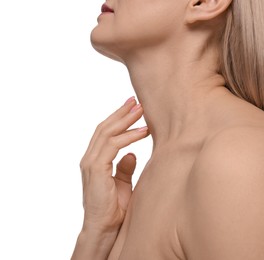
(104, 46)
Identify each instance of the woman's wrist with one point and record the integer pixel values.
(94, 244)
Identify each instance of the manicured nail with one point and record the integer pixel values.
(132, 155)
(135, 108)
(142, 129)
(131, 99)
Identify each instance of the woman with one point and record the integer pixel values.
(196, 67)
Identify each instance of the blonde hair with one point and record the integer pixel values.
(242, 47)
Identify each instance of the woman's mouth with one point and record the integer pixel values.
(106, 9)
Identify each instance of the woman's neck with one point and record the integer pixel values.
(179, 95)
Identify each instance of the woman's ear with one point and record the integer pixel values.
(201, 10)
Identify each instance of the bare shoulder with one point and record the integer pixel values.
(238, 147)
(224, 202)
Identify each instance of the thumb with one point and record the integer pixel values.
(125, 168)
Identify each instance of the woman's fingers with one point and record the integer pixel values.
(112, 134)
(125, 168)
(119, 126)
(109, 149)
(122, 125)
(106, 126)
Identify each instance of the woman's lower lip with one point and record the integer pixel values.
(107, 13)
(104, 13)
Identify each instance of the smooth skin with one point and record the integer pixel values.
(200, 196)
(106, 197)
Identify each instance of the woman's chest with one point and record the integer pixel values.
(150, 229)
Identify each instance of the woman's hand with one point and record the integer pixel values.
(106, 197)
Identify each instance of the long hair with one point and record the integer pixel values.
(242, 47)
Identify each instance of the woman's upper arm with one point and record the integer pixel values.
(224, 207)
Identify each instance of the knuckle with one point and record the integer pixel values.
(81, 163)
(85, 164)
(99, 127)
(102, 129)
(89, 162)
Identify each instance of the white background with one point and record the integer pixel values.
(54, 90)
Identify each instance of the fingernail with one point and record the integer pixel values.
(129, 100)
(135, 108)
(142, 129)
(132, 155)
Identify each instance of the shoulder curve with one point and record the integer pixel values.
(237, 133)
(235, 153)
(224, 209)
(236, 147)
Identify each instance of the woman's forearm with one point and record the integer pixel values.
(92, 245)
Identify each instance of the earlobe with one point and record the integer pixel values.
(202, 10)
